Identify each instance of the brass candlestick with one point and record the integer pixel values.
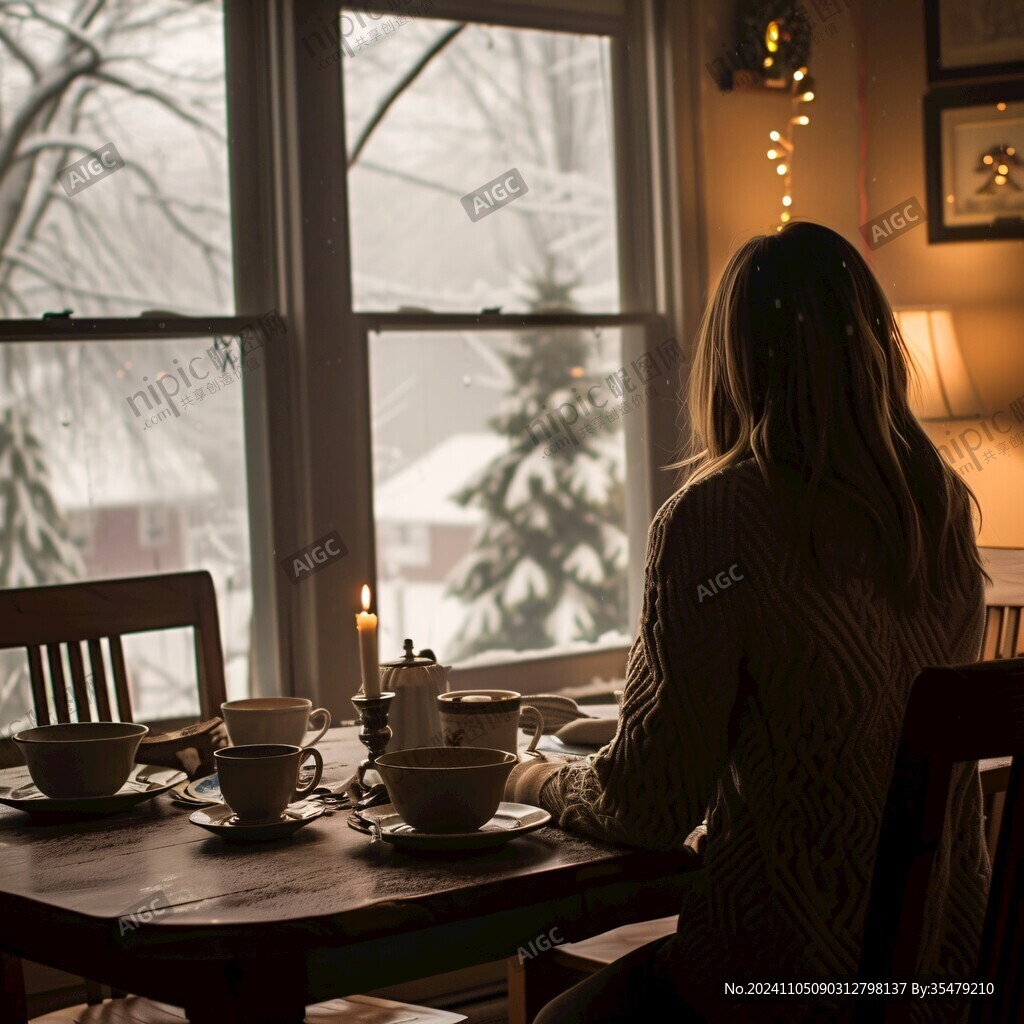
(375, 733)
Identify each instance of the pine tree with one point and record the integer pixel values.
(35, 545)
(549, 562)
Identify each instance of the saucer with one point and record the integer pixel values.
(509, 822)
(222, 821)
(207, 789)
(204, 791)
(145, 781)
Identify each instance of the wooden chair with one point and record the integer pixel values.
(44, 620)
(954, 714)
(1004, 636)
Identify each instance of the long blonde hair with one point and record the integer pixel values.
(800, 364)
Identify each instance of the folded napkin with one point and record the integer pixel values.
(556, 711)
(588, 732)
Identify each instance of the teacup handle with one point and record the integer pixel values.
(326, 716)
(310, 786)
(538, 730)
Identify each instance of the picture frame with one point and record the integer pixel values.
(965, 39)
(970, 133)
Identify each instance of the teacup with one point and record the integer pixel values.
(273, 720)
(486, 718)
(259, 781)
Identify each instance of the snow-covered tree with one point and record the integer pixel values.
(34, 544)
(549, 562)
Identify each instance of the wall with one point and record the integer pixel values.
(880, 44)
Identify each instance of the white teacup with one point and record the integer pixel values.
(259, 781)
(486, 718)
(273, 720)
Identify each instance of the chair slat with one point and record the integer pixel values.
(38, 680)
(1002, 943)
(960, 714)
(78, 681)
(1014, 639)
(99, 681)
(58, 687)
(990, 649)
(124, 703)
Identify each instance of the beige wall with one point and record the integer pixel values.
(880, 42)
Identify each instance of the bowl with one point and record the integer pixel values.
(80, 759)
(446, 789)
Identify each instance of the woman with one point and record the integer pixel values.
(819, 556)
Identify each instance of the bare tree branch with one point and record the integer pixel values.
(400, 86)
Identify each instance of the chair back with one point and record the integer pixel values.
(45, 619)
(965, 713)
(1004, 637)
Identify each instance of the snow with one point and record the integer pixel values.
(606, 642)
(422, 491)
(528, 581)
(535, 467)
(570, 617)
(591, 479)
(585, 564)
(616, 545)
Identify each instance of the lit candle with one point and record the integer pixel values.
(366, 623)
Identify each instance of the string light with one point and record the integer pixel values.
(802, 91)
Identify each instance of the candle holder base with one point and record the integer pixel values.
(375, 732)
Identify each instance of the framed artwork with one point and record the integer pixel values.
(968, 39)
(974, 161)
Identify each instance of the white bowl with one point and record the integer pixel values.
(80, 759)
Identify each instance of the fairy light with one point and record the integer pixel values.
(781, 153)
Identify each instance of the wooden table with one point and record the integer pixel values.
(252, 935)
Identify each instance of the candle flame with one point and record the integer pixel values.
(366, 598)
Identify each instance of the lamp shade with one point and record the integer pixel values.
(945, 391)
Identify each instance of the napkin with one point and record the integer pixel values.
(588, 732)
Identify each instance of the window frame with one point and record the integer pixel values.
(308, 455)
(648, 263)
(254, 294)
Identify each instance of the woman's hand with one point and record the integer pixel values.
(528, 777)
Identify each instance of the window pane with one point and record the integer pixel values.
(438, 219)
(111, 466)
(499, 476)
(150, 109)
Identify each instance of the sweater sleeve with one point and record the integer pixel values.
(651, 786)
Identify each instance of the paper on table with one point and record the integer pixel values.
(352, 1010)
(370, 1010)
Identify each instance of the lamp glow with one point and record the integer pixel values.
(945, 391)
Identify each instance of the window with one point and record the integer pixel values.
(481, 180)
(116, 195)
(427, 231)
(500, 523)
(122, 454)
(158, 489)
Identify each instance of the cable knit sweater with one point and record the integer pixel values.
(771, 701)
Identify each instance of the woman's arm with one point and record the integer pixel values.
(650, 787)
